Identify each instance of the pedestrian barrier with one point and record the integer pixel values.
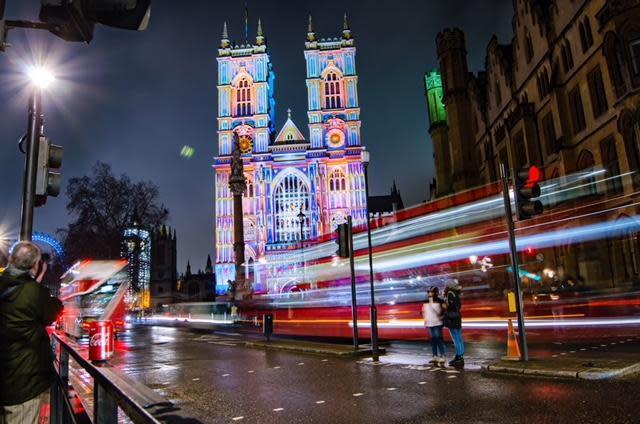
(108, 395)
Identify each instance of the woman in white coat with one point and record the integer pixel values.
(433, 312)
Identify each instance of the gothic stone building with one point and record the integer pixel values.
(321, 175)
(563, 95)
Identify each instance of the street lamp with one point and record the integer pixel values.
(301, 216)
(40, 79)
(374, 311)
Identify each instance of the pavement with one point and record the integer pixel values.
(216, 378)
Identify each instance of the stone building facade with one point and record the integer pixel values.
(564, 95)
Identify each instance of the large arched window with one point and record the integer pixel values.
(332, 91)
(611, 52)
(338, 195)
(243, 98)
(630, 131)
(290, 196)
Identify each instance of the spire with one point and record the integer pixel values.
(209, 268)
(188, 273)
(224, 41)
(311, 35)
(346, 32)
(289, 113)
(259, 34)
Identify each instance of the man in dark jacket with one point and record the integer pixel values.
(26, 359)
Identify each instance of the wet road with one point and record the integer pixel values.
(219, 380)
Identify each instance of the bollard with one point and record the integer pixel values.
(267, 325)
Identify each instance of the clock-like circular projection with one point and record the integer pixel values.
(335, 138)
(245, 143)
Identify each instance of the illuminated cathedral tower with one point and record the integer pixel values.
(290, 178)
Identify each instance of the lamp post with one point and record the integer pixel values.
(40, 79)
(301, 216)
(374, 311)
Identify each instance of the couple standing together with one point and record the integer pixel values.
(439, 313)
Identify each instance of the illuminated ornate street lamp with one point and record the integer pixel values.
(40, 79)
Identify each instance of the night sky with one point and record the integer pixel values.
(134, 99)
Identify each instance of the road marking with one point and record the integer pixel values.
(422, 382)
(451, 371)
(554, 356)
(583, 349)
(278, 409)
(612, 343)
(319, 402)
(452, 376)
(629, 340)
(195, 379)
(391, 389)
(325, 360)
(251, 371)
(300, 363)
(434, 369)
(357, 394)
(563, 353)
(277, 367)
(603, 345)
(237, 418)
(226, 375)
(572, 351)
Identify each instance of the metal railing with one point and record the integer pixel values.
(108, 396)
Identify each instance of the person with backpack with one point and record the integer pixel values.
(26, 309)
(432, 312)
(453, 320)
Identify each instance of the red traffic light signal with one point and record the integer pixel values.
(526, 190)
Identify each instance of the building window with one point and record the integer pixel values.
(634, 48)
(586, 36)
(598, 96)
(577, 112)
(631, 135)
(338, 196)
(498, 95)
(528, 48)
(549, 130)
(567, 56)
(160, 289)
(290, 196)
(611, 52)
(544, 86)
(243, 98)
(611, 166)
(332, 91)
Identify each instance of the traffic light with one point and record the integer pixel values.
(3, 27)
(74, 20)
(526, 192)
(343, 240)
(48, 180)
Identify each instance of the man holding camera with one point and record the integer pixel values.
(26, 359)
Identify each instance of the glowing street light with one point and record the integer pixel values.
(41, 77)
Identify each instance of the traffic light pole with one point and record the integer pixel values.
(374, 310)
(31, 164)
(514, 262)
(354, 301)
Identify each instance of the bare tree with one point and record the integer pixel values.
(102, 206)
